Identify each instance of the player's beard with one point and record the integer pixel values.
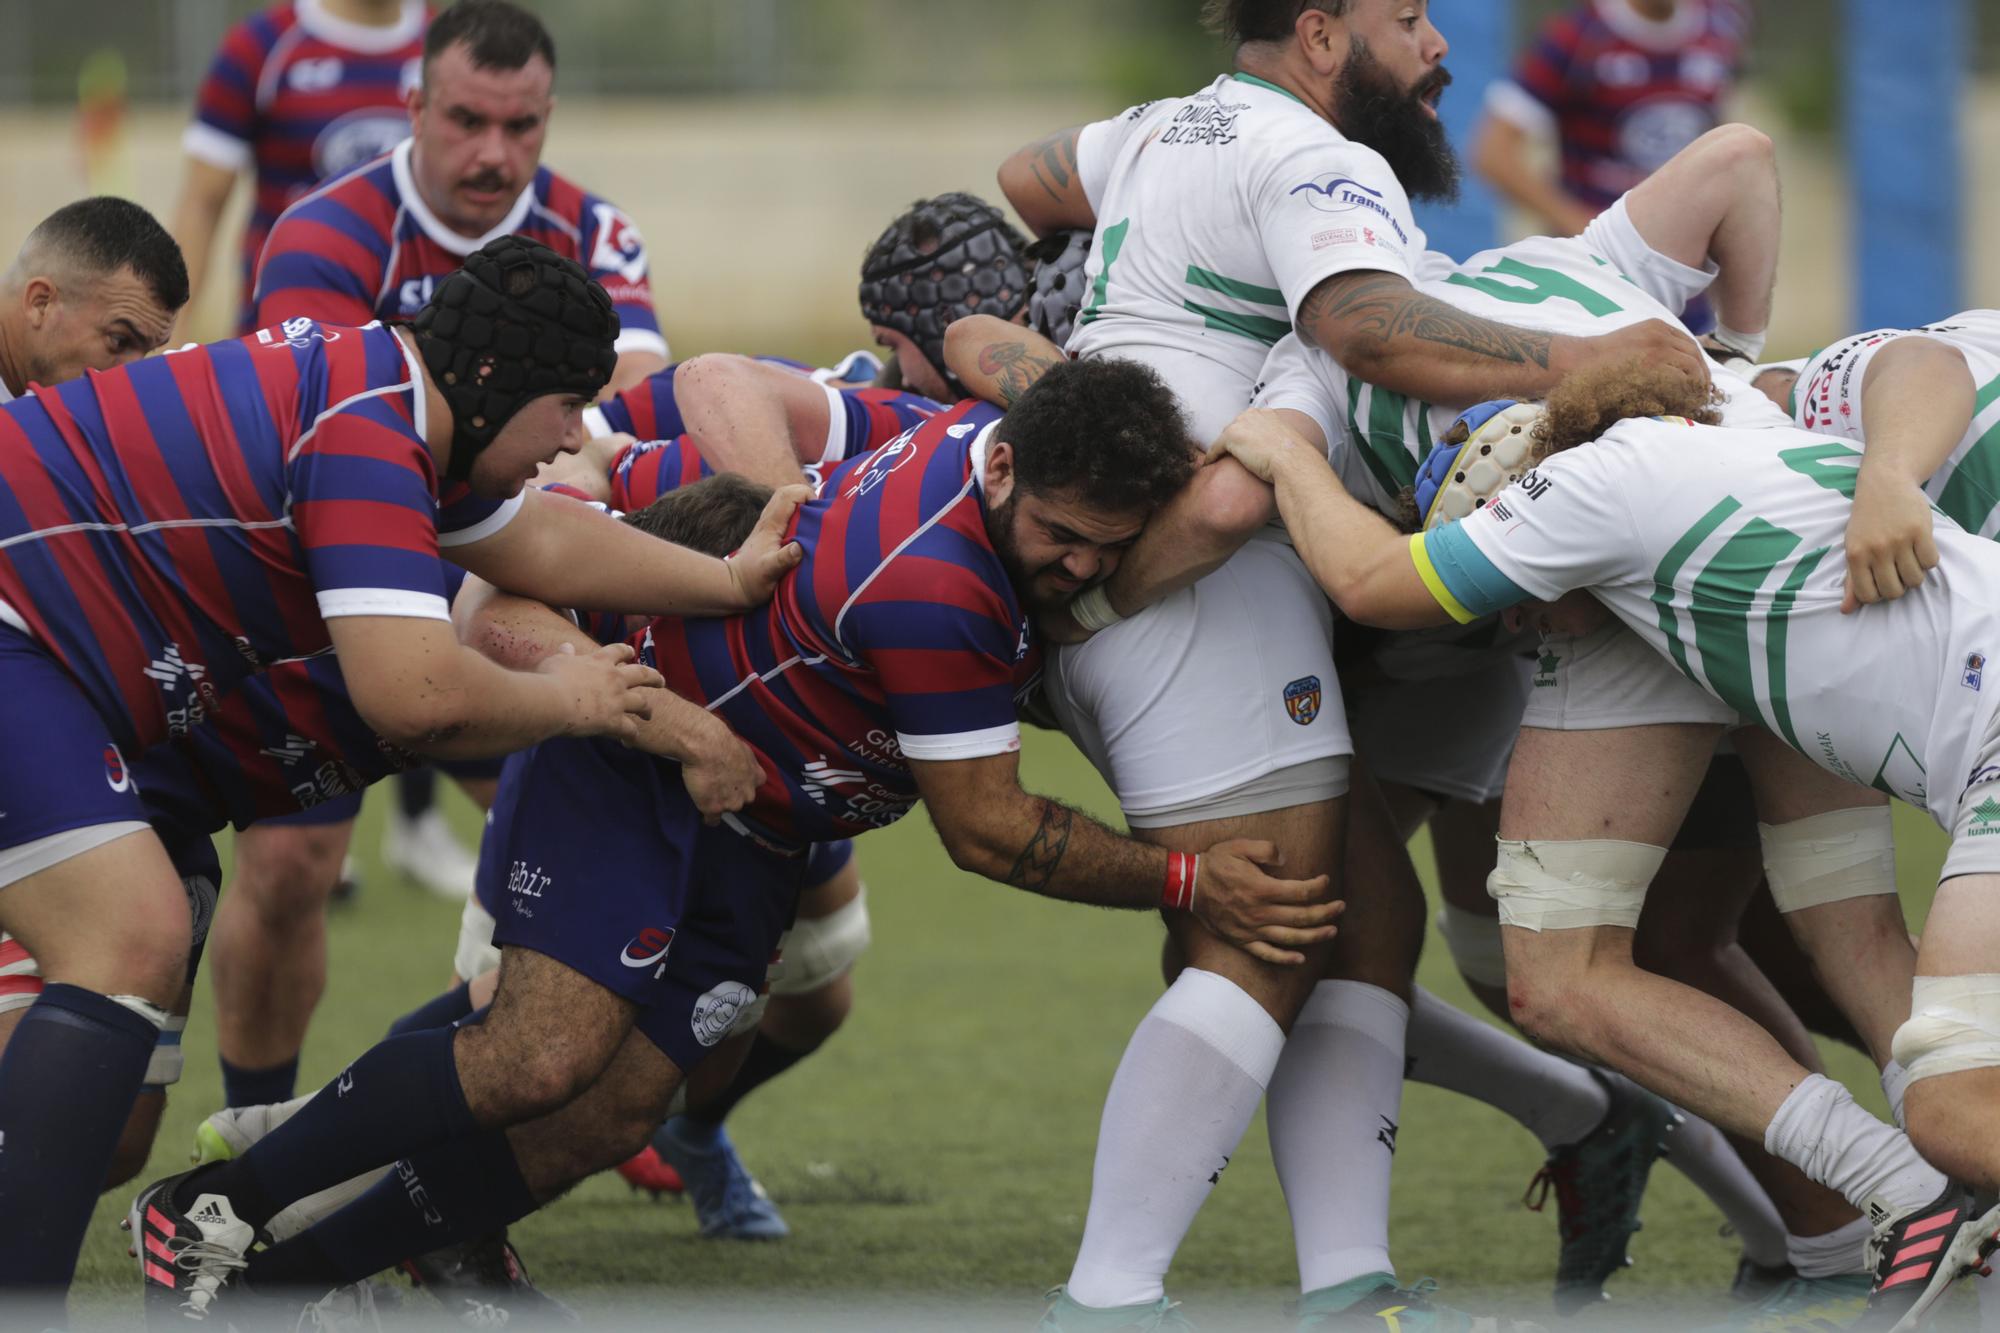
(1369, 108)
(1000, 531)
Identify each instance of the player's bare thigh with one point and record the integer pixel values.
(549, 1035)
(1676, 209)
(1950, 1115)
(113, 919)
(1629, 783)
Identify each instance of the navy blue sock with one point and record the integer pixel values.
(67, 1083)
(401, 1097)
(446, 1009)
(416, 791)
(455, 1192)
(259, 1087)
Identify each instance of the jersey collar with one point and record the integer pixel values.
(977, 453)
(1241, 77)
(6, 394)
(432, 225)
(361, 38)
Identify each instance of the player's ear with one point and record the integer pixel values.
(998, 480)
(1319, 33)
(40, 299)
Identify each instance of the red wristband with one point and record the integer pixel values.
(1182, 870)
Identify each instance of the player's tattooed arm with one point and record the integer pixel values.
(1383, 330)
(996, 359)
(1042, 183)
(991, 827)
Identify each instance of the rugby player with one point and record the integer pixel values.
(975, 520)
(1280, 191)
(132, 602)
(299, 92)
(376, 242)
(372, 245)
(1722, 571)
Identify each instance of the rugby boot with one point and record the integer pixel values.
(728, 1201)
(186, 1255)
(349, 1309)
(1598, 1182)
(483, 1284)
(228, 1134)
(647, 1170)
(1918, 1253)
(1805, 1305)
(1063, 1315)
(1374, 1301)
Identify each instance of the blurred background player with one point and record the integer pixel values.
(1616, 87)
(299, 93)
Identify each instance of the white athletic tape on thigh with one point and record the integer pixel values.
(167, 1062)
(1830, 858)
(145, 1008)
(1954, 1026)
(476, 954)
(1573, 885)
(820, 949)
(1474, 941)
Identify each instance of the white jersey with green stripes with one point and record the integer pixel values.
(1827, 399)
(1722, 549)
(1377, 438)
(1216, 214)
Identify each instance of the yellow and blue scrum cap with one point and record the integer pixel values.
(1497, 446)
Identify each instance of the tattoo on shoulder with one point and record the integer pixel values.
(1014, 368)
(1036, 866)
(1054, 163)
(1381, 307)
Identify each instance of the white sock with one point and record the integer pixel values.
(1184, 1093)
(1557, 1101)
(1702, 1154)
(1842, 1250)
(1823, 1132)
(1334, 1105)
(1750, 345)
(1895, 1082)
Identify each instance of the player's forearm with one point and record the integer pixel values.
(1386, 332)
(205, 192)
(1500, 154)
(746, 419)
(1191, 536)
(1041, 182)
(1916, 404)
(573, 555)
(473, 709)
(1357, 557)
(995, 359)
(1045, 847)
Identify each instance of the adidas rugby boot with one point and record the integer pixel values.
(1805, 1305)
(186, 1256)
(1919, 1253)
(1598, 1182)
(483, 1284)
(1374, 1301)
(1063, 1315)
(728, 1201)
(228, 1134)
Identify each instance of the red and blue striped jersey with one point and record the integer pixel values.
(898, 637)
(298, 96)
(1621, 93)
(859, 421)
(367, 247)
(649, 411)
(173, 526)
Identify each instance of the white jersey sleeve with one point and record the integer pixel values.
(1097, 147)
(1325, 207)
(1565, 525)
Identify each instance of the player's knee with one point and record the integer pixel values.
(804, 1022)
(820, 950)
(288, 872)
(546, 1081)
(141, 952)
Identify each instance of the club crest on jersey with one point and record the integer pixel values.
(1975, 671)
(1302, 700)
(299, 332)
(115, 772)
(619, 248)
(715, 1012)
(358, 137)
(647, 948)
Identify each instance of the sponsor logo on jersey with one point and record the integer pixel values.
(524, 884)
(314, 74)
(1332, 193)
(115, 772)
(1545, 669)
(886, 460)
(1534, 485)
(618, 249)
(170, 670)
(1985, 819)
(1302, 700)
(647, 948)
(299, 332)
(1205, 120)
(1334, 236)
(715, 1012)
(1975, 671)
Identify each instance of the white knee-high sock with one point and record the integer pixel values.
(1184, 1092)
(1707, 1158)
(1334, 1104)
(1556, 1101)
(1822, 1131)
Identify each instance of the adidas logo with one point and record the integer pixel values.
(211, 1213)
